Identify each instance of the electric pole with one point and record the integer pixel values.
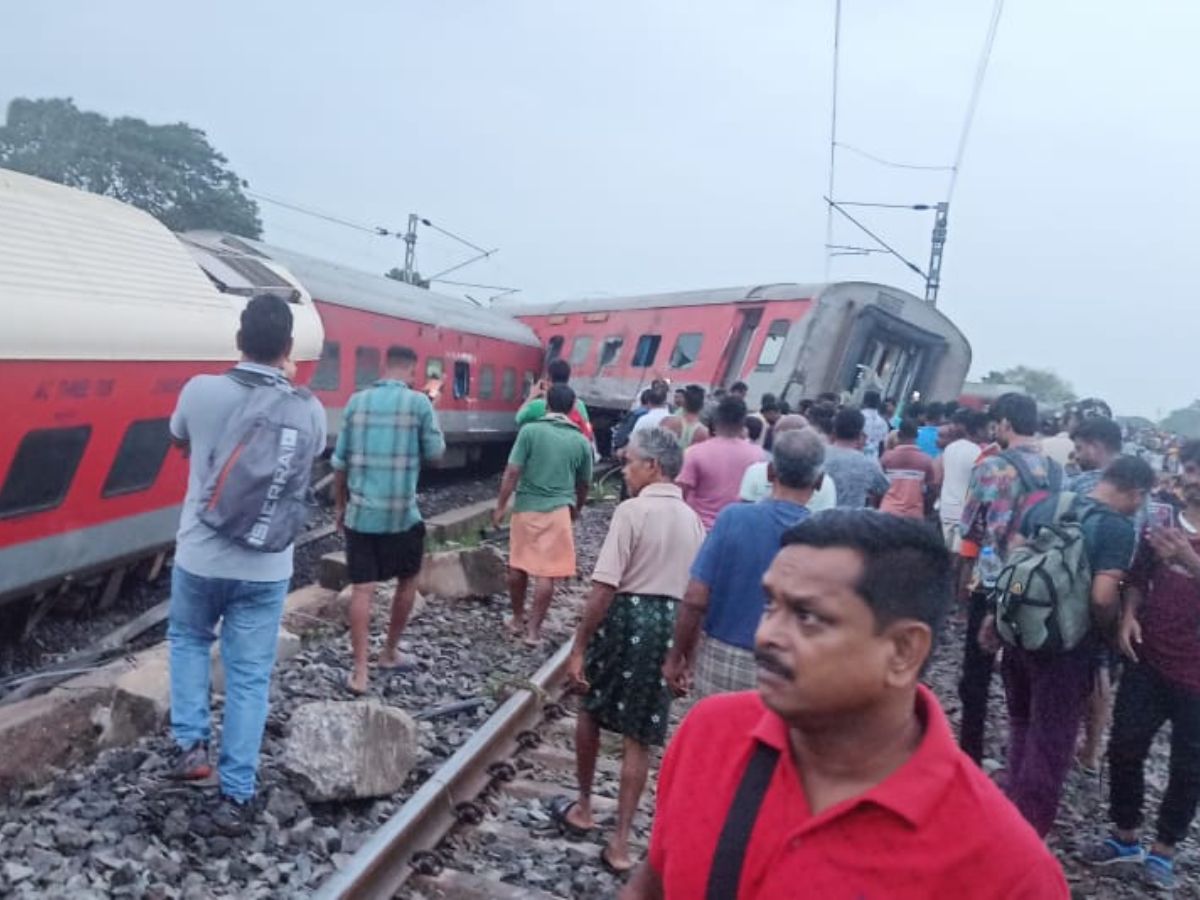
(937, 247)
(410, 251)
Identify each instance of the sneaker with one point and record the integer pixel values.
(1111, 852)
(1158, 872)
(192, 764)
(232, 818)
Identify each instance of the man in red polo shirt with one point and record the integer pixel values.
(839, 778)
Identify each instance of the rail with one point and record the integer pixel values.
(383, 863)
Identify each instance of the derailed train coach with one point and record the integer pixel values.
(105, 315)
(789, 340)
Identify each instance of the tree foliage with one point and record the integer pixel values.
(1040, 384)
(170, 171)
(1184, 421)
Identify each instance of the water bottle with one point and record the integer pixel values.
(989, 567)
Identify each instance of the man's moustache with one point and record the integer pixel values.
(768, 661)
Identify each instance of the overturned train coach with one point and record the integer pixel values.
(790, 340)
(105, 314)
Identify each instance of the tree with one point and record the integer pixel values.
(1185, 422)
(1040, 384)
(170, 171)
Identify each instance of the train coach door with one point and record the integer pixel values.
(743, 334)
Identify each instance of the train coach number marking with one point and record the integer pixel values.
(74, 389)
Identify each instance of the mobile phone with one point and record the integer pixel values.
(1162, 515)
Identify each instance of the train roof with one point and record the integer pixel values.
(747, 294)
(330, 282)
(88, 277)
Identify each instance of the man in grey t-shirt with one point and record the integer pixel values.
(860, 481)
(217, 581)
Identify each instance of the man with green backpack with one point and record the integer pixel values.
(1057, 594)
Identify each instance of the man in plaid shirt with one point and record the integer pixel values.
(387, 430)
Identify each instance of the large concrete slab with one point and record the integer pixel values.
(314, 607)
(460, 523)
(42, 734)
(141, 699)
(459, 574)
(332, 573)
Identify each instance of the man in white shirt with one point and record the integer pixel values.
(957, 461)
(756, 486)
(656, 412)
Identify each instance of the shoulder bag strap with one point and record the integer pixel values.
(726, 871)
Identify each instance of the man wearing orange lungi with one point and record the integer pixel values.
(550, 468)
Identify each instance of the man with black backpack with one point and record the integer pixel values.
(1009, 477)
(251, 437)
(1059, 593)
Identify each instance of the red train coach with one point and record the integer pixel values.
(486, 361)
(790, 340)
(103, 318)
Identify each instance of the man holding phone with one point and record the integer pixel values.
(1160, 633)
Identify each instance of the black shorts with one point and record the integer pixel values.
(381, 557)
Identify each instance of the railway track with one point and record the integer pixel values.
(479, 827)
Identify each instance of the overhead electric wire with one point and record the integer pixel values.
(976, 89)
(316, 214)
(877, 239)
(461, 240)
(892, 163)
(919, 207)
(380, 231)
(471, 284)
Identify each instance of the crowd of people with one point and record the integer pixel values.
(791, 570)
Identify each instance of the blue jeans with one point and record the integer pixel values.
(250, 612)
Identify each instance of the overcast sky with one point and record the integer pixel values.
(630, 146)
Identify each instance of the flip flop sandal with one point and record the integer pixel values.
(559, 808)
(396, 667)
(352, 690)
(610, 867)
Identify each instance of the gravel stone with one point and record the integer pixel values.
(16, 872)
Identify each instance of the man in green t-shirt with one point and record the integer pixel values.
(550, 469)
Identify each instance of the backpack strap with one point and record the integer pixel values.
(1067, 507)
(1029, 484)
(726, 871)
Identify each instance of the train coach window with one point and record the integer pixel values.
(434, 368)
(609, 351)
(508, 384)
(462, 379)
(487, 382)
(328, 376)
(687, 350)
(43, 469)
(554, 347)
(646, 350)
(139, 459)
(580, 350)
(366, 366)
(773, 345)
